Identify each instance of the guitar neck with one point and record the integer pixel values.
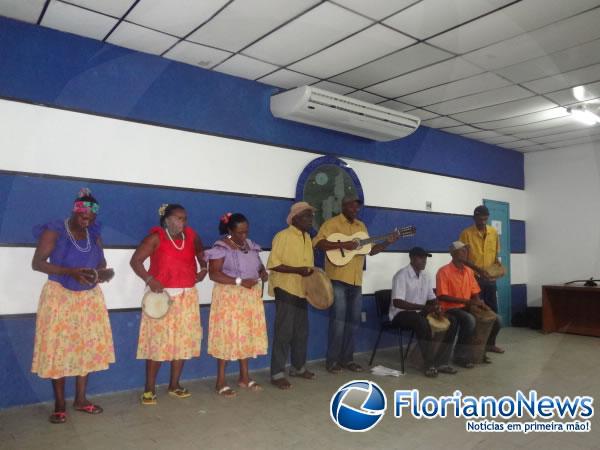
(407, 231)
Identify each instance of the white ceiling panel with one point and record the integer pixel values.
(376, 9)
(565, 80)
(421, 113)
(466, 86)
(430, 17)
(549, 39)
(73, 19)
(141, 39)
(244, 67)
(485, 134)
(505, 110)
(499, 140)
(565, 60)
(530, 130)
(177, 17)
(538, 116)
(569, 135)
(404, 61)
(461, 129)
(523, 144)
(250, 19)
(563, 125)
(436, 74)
(509, 22)
(25, 10)
(287, 79)
(441, 122)
(528, 149)
(333, 87)
(480, 100)
(398, 106)
(566, 97)
(361, 48)
(196, 55)
(573, 142)
(115, 8)
(318, 28)
(367, 97)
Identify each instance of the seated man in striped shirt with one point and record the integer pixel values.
(412, 300)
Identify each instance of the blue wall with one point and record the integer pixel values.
(44, 66)
(128, 212)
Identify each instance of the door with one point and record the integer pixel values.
(500, 220)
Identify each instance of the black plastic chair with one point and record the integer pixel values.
(382, 302)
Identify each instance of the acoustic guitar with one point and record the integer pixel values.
(341, 257)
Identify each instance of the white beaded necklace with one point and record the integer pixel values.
(173, 242)
(88, 245)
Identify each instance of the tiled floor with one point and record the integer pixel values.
(554, 364)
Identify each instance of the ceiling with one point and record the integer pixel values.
(497, 71)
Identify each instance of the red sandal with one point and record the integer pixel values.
(58, 417)
(90, 409)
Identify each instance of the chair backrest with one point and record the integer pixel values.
(382, 302)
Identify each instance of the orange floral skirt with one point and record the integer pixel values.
(237, 327)
(72, 333)
(177, 335)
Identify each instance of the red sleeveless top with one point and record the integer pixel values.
(174, 268)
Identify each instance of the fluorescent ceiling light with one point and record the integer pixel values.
(584, 116)
(579, 93)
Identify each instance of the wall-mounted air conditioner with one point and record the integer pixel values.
(325, 109)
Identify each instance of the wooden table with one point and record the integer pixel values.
(571, 309)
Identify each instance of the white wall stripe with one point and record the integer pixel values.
(51, 141)
(20, 286)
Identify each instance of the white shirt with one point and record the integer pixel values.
(406, 285)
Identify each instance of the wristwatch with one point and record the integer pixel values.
(238, 281)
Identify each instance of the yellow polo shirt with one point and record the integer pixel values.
(352, 272)
(482, 251)
(291, 247)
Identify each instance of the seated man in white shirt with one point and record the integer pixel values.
(412, 299)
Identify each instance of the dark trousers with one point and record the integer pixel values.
(466, 326)
(344, 320)
(291, 333)
(489, 295)
(417, 322)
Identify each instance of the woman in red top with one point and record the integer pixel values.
(174, 250)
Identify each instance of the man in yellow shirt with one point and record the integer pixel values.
(484, 244)
(291, 259)
(344, 314)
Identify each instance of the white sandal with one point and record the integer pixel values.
(226, 391)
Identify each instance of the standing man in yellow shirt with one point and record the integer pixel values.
(344, 314)
(484, 245)
(291, 259)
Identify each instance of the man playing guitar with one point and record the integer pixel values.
(344, 315)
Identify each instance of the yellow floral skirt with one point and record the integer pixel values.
(177, 335)
(72, 333)
(237, 327)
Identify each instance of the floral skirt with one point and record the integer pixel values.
(237, 327)
(72, 333)
(175, 336)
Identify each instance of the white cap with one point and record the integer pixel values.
(457, 245)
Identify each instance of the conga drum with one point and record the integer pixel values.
(439, 324)
(318, 289)
(485, 319)
(496, 271)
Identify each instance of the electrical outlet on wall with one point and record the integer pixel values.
(428, 205)
(363, 316)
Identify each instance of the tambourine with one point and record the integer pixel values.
(318, 289)
(156, 304)
(495, 270)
